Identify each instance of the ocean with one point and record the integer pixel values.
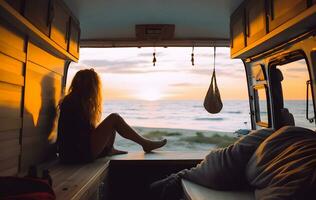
(191, 115)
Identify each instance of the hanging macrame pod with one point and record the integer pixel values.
(212, 101)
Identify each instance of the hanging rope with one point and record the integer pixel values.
(213, 102)
(214, 58)
(192, 56)
(154, 57)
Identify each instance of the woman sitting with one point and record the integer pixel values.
(80, 137)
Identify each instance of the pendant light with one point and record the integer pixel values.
(192, 56)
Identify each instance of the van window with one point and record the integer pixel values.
(261, 97)
(294, 88)
(166, 100)
(261, 106)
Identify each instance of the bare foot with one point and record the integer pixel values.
(151, 145)
(116, 152)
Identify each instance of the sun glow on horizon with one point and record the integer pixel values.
(150, 94)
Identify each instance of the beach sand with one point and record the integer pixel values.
(180, 139)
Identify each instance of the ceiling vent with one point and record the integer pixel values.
(155, 31)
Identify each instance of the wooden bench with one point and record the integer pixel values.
(194, 191)
(77, 181)
(82, 181)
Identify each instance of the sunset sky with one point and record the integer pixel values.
(128, 73)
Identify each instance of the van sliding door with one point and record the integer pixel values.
(259, 96)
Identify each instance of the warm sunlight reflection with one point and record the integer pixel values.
(33, 104)
(150, 94)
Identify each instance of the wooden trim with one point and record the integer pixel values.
(259, 46)
(15, 18)
(263, 124)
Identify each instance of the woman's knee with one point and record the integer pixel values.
(114, 117)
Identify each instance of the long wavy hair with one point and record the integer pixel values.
(86, 88)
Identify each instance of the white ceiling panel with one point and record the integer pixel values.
(116, 19)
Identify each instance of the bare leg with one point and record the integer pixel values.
(127, 132)
(109, 149)
(104, 135)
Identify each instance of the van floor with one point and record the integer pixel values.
(131, 174)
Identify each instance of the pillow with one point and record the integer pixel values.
(284, 165)
(224, 169)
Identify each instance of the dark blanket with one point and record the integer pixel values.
(280, 165)
(284, 165)
(224, 169)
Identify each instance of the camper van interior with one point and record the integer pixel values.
(275, 40)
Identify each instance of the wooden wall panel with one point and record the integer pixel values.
(74, 39)
(43, 81)
(11, 38)
(10, 77)
(237, 30)
(38, 13)
(16, 4)
(11, 64)
(12, 67)
(12, 44)
(45, 59)
(256, 26)
(10, 99)
(60, 25)
(283, 10)
(30, 88)
(9, 166)
(8, 135)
